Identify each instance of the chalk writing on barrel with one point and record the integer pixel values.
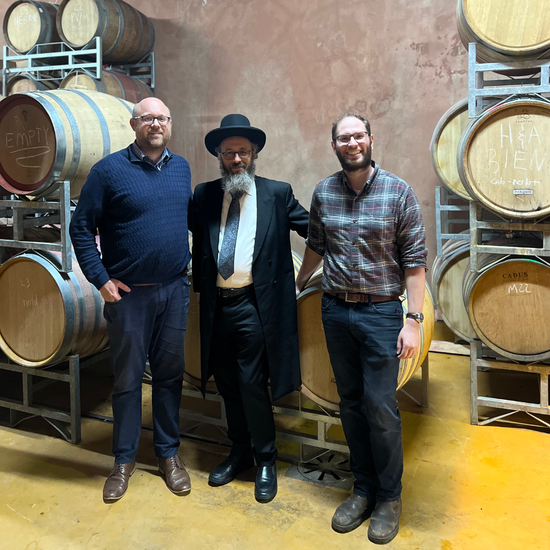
(21, 160)
(516, 157)
(28, 145)
(520, 288)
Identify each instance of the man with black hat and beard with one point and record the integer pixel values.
(243, 270)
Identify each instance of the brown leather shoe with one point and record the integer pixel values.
(384, 523)
(176, 476)
(351, 513)
(117, 482)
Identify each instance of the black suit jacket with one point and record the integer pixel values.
(272, 271)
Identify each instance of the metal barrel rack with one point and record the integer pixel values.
(67, 423)
(54, 66)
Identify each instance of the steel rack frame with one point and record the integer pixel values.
(483, 359)
(136, 70)
(477, 226)
(67, 59)
(442, 220)
(68, 424)
(20, 207)
(480, 90)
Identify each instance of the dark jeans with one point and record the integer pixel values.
(148, 321)
(239, 362)
(362, 344)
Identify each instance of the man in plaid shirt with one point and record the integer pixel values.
(367, 226)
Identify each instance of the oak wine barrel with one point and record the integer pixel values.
(447, 276)
(505, 30)
(127, 35)
(28, 23)
(58, 135)
(113, 83)
(444, 146)
(318, 382)
(23, 83)
(503, 158)
(508, 301)
(509, 306)
(48, 314)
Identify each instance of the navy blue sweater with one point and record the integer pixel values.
(142, 217)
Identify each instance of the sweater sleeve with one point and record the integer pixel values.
(83, 229)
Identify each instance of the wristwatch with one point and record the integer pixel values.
(418, 317)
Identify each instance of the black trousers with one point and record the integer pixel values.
(239, 364)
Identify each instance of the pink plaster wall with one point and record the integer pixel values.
(294, 66)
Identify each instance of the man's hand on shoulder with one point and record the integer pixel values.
(109, 290)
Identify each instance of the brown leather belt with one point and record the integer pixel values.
(355, 297)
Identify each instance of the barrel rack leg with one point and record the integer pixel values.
(475, 346)
(480, 361)
(424, 385)
(67, 423)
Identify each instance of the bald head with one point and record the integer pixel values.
(149, 103)
(151, 136)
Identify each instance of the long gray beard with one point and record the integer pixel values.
(240, 182)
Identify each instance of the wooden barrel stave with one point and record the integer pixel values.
(444, 145)
(508, 302)
(504, 30)
(127, 35)
(502, 157)
(28, 23)
(447, 276)
(112, 82)
(71, 129)
(318, 382)
(24, 83)
(50, 314)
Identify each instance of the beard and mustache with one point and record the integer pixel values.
(239, 182)
(355, 165)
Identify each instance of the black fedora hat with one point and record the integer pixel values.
(231, 126)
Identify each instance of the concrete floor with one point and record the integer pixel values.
(465, 487)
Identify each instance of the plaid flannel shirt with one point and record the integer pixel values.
(367, 239)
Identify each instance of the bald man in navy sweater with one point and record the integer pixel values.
(138, 199)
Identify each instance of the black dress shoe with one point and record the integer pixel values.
(229, 469)
(266, 483)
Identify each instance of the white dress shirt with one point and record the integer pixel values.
(246, 237)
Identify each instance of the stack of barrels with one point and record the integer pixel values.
(127, 36)
(49, 137)
(499, 159)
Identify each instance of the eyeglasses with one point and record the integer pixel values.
(346, 138)
(148, 119)
(230, 155)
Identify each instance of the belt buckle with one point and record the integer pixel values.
(350, 301)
